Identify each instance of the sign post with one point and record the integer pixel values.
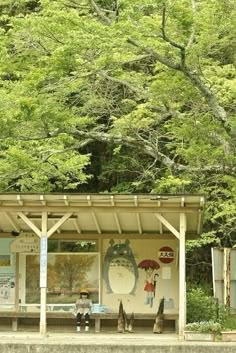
(43, 282)
(43, 261)
(43, 273)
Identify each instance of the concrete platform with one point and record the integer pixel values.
(52, 342)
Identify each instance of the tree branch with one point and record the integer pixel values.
(51, 35)
(123, 83)
(170, 41)
(99, 12)
(217, 110)
(137, 143)
(198, 263)
(163, 31)
(157, 57)
(192, 35)
(74, 5)
(148, 149)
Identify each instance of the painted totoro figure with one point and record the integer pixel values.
(120, 271)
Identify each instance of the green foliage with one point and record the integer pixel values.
(171, 184)
(94, 99)
(229, 322)
(200, 306)
(204, 327)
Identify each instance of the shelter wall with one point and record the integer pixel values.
(119, 275)
(129, 285)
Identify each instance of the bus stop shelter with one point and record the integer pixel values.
(123, 226)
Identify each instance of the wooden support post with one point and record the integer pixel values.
(43, 323)
(44, 233)
(97, 324)
(226, 269)
(43, 274)
(182, 270)
(17, 284)
(14, 324)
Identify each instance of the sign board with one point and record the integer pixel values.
(43, 261)
(166, 254)
(26, 243)
(7, 288)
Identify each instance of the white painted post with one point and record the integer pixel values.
(43, 274)
(182, 275)
(17, 284)
(226, 276)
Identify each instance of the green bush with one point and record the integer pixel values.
(200, 306)
(203, 308)
(228, 322)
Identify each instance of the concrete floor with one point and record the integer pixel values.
(105, 342)
(60, 339)
(84, 338)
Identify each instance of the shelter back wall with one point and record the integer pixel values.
(118, 282)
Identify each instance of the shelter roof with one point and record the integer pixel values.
(102, 213)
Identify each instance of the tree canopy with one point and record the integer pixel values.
(121, 96)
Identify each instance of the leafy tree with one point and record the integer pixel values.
(121, 96)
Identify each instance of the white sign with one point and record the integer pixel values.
(43, 262)
(25, 243)
(166, 272)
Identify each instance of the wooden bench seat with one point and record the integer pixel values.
(97, 317)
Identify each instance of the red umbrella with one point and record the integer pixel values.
(148, 263)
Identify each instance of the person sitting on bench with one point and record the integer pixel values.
(83, 307)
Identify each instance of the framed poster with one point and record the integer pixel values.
(5, 260)
(7, 288)
(66, 274)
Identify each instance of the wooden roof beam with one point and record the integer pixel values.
(12, 221)
(139, 223)
(76, 224)
(66, 200)
(42, 199)
(138, 216)
(97, 209)
(96, 222)
(29, 223)
(58, 229)
(160, 224)
(58, 224)
(199, 224)
(19, 200)
(167, 224)
(115, 215)
(117, 221)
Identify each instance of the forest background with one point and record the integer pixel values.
(123, 96)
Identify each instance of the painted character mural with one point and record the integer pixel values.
(120, 271)
(151, 276)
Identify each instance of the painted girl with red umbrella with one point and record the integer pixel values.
(151, 278)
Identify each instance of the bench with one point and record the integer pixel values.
(97, 317)
(137, 316)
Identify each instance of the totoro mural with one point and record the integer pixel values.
(120, 271)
